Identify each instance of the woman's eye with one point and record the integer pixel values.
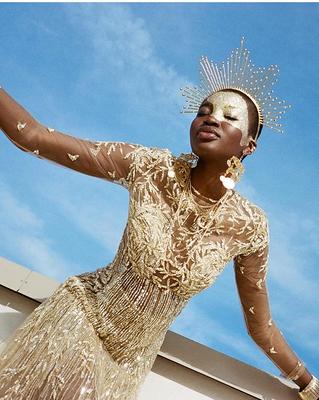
(231, 118)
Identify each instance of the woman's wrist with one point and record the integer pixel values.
(303, 379)
(311, 391)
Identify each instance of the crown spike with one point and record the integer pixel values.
(210, 71)
(217, 78)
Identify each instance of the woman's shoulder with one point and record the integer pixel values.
(251, 209)
(255, 219)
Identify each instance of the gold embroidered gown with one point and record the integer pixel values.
(97, 336)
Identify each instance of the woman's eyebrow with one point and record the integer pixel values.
(229, 108)
(207, 103)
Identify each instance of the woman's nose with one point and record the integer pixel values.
(212, 120)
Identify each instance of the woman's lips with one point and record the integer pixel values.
(207, 135)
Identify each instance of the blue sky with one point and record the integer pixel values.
(113, 72)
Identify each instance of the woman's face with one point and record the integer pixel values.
(221, 127)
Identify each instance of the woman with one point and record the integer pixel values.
(98, 335)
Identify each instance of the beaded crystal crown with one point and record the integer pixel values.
(238, 73)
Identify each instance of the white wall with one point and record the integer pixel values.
(14, 308)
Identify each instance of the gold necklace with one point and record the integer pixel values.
(215, 203)
(206, 213)
(201, 196)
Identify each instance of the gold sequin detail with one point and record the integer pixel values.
(73, 157)
(272, 350)
(21, 126)
(251, 310)
(259, 283)
(95, 152)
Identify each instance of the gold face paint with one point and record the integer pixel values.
(231, 108)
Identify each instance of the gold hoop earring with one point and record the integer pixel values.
(233, 173)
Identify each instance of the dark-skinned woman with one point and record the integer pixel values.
(97, 336)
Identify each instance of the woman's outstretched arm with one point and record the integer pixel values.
(106, 160)
(250, 273)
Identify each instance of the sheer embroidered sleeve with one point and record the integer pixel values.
(111, 161)
(250, 272)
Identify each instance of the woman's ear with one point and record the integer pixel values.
(251, 147)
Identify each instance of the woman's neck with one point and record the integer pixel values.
(206, 180)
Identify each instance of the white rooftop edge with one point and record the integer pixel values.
(177, 348)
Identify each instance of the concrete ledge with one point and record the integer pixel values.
(26, 281)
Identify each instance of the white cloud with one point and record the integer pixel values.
(124, 61)
(248, 191)
(22, 236)
(289, 243)
(13, 211)
(37, 24)
(95, 207)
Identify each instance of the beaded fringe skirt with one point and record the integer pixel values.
(56, 355)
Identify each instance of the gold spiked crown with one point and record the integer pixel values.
(238, 73)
